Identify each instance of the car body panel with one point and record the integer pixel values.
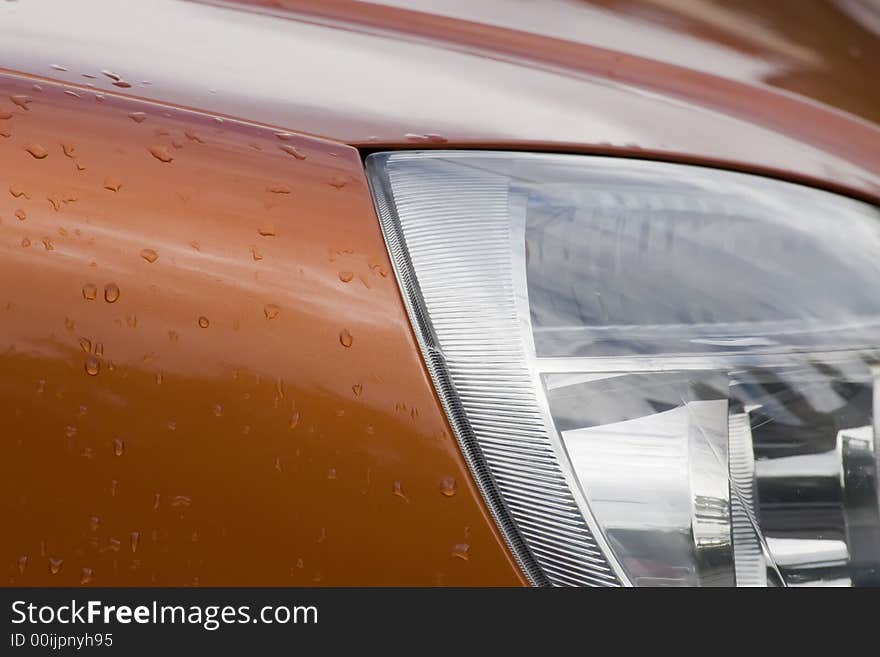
(260, 449)
(377, 75)
(293, 439)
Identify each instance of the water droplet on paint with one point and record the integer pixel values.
(461, 551)
(294, 419)
(118, 446)
(278, 189)
(357, 389)
(345, 276)
(92, 365)
(447, 486)
(17, 191)
(397, 489)
(149, 255)
(271, 311)
(86, 576)
(256, 254)
(89, 291)
(345, 338)
(292, 150)
(37, 151)
(203, 322)
(137, 117)
(267, 230)
(161, 153)
(113, 184)
(111, 292)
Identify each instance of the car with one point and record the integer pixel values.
(423, 293)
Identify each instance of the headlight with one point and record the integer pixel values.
(659, 374)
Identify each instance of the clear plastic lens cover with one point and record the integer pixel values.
(660, 374)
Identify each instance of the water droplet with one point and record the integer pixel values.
(345, 276)
(278, 189)
(195, 245)
(192, 136)
(114, 545)
(218, 410)
(461, 551)
(291, 150)
(338, 182)
(447, 486)
(85, 344)
(122, 84)
(93, 366)
(17, 191)
(56, 203)
(137, 117)
(267, 230)
(181, 502)
(131, 320)
(278, 467)
(86, 576)
(55, 565)
(20, 214)
(113, 184)
(345, 338)
(21, 101)
(203, 322)
(99, 349)
(47, 244)
(94, 523)
(161, 153)
(283, 136)
(331, 473)
(397, 489)
(118, 446)
(22, 563)
(135, 540)
(58, 67)
(37, 151)
(111, 293)
(72, 93)
(256, 253)
(357, 389)
(294, 419)
(270, 310)
(149, 255)
(25, 242)
(70, 431)
(89, 292)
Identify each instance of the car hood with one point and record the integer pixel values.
(690, 81)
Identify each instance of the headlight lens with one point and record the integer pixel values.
(659, 374)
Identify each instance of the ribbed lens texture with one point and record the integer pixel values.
(456, 231)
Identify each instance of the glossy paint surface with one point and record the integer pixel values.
(207, 375)
(410, 75)
(206, 370)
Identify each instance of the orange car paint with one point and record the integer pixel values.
(252, 408)
(206, 371)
